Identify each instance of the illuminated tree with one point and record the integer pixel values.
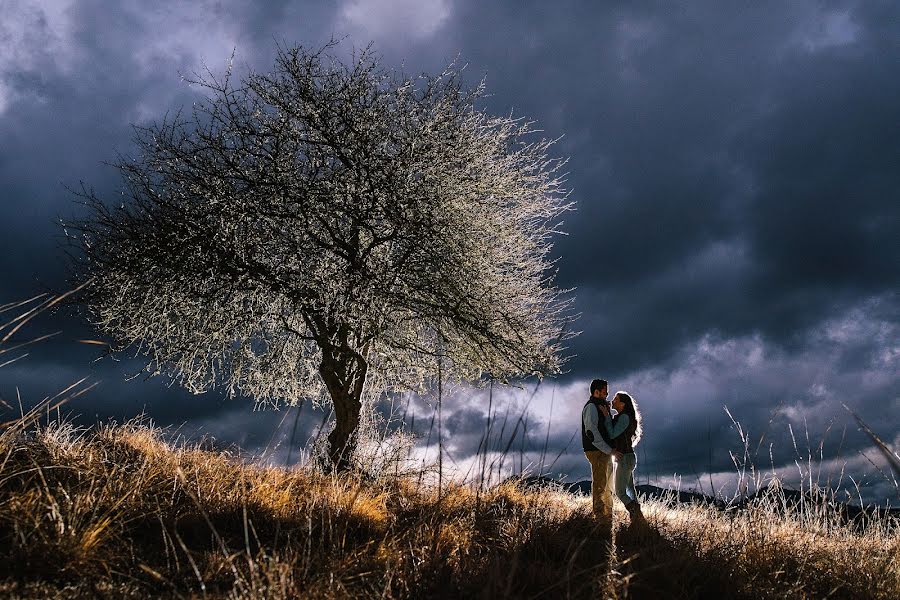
(326, 227)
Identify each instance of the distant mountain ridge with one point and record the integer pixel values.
(584, 488)
(775, 496)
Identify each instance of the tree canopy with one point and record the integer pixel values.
(330, 225)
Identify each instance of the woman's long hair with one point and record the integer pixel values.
(634, 413)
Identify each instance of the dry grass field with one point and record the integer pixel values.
(116, 512)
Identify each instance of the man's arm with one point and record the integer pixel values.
(591, 420)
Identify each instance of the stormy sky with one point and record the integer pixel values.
(735, 167)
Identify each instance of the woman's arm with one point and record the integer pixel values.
(619, 429)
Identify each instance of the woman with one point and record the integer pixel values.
(625, 431)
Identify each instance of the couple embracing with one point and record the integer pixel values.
(606, 438)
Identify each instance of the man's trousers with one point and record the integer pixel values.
(601, 478)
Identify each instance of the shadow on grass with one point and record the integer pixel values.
(548, 559)
(649, 565)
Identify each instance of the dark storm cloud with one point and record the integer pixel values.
(75, 76)
(765, 136)
(734, 170)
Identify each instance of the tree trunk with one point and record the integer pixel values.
(344, 374)
(342, 439)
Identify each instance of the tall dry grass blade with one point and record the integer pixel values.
(522, 420)
(192, 562)
(287, 461)
(487, 437)
(547, 437)
(80, 392)
(427, 444)
(29, 342)
(35, 412)
(892, 457)
(17, 304)
(12, 360)
(440, 429)
(265, 451)
(22, 319)
(71, 387)
(561, 452)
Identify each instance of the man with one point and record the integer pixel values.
(597, 449)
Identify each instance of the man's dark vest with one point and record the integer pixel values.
(622, 443)
(587, 437)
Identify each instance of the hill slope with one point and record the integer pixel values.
(119, 513)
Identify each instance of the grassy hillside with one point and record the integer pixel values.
(117, 512)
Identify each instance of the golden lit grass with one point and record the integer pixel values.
(757, 552)
(118, 512)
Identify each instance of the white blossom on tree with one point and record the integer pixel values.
(328, 225)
